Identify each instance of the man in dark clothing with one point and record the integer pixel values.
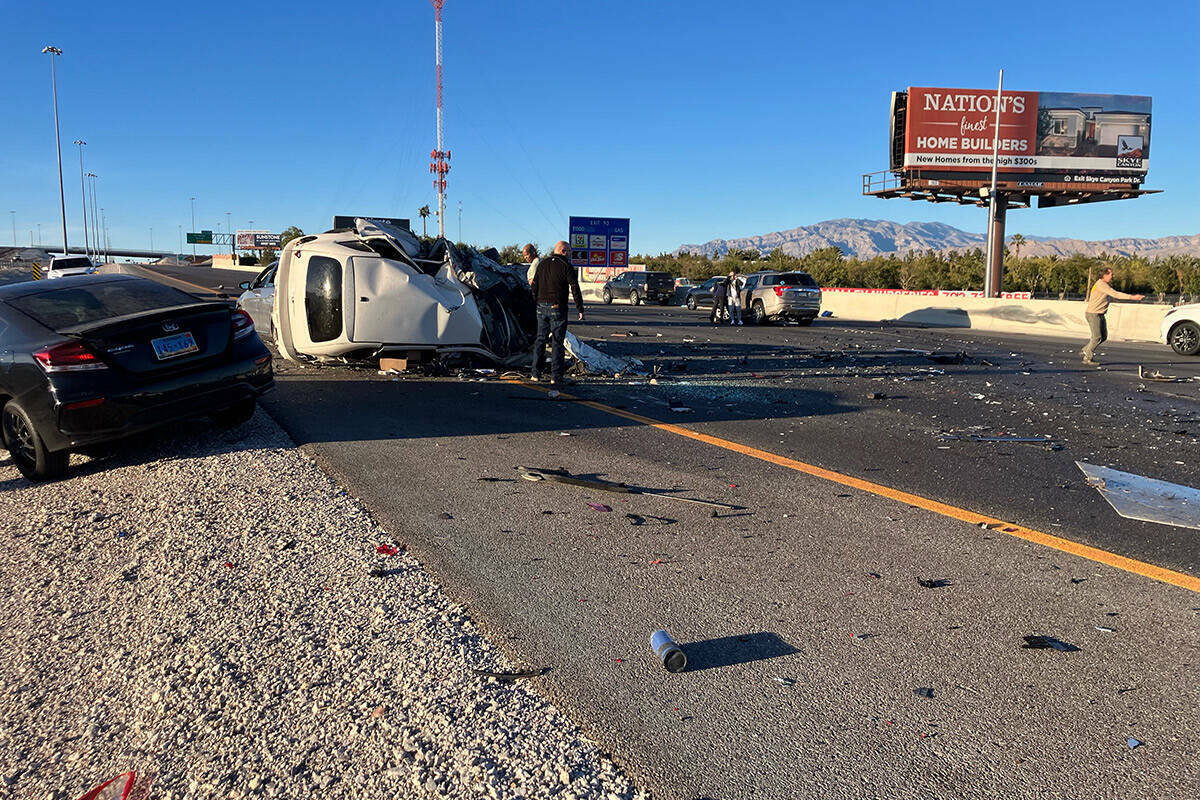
(720, 294)
(553, 278)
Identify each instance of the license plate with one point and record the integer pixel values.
(172, 346)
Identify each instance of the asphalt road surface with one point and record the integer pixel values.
(807, 629)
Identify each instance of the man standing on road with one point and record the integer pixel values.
(553, 278)
(720, 292)
(530, 254)
(736, 284)
(1097, 307)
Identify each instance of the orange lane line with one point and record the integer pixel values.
(1096, 554)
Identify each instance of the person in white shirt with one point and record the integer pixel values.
(530, 254)
(736, 284)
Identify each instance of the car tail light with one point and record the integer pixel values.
(68, 357)
(779, 291)
(95, 401)
(243, 325)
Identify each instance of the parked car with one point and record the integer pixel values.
(702, 295)
(1181, 329)
(258, 299)
(653, 287)
(771, 296)
(90, 359)
(64, 266)
(683, 283)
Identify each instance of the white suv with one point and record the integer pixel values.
(1181, 329)
(62, 266)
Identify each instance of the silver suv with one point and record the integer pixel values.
(769, 296)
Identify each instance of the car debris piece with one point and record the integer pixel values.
(386, 550)
(599, 507)
(594, 362)
(972, 437)
(924, 691)
(509, 677)
(126, 786)
(876, 396)
(1157, 375)
(1105, 629)
(937, 583)
(1146, 499)
(1048, 642)
(670, 654)
(557, 476)
(1134, 743)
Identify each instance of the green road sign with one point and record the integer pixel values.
(203, 237)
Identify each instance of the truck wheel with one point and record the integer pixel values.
(1184, 338)
(691, 303)
(607, 297)
(28, 449)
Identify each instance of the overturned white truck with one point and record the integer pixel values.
(377, 290)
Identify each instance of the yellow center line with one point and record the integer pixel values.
(1096, 554)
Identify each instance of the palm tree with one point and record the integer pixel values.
(423, 212)
(1016, 240)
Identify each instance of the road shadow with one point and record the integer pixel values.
(350, 407)
(728, 651)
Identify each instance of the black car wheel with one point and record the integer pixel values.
(635, 298)
(760, 313)
(237, 414)
(691, 303)
(27, 448)
(1185, 338)
(607, 296)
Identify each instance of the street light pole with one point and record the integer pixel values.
(152, 239)
(232, 243)
(83, 195)
(14, 222)
(95, 219)
(62, 198)
(193, 229)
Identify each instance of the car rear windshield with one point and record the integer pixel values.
(80, 305)
(71, 263)
(797, 279)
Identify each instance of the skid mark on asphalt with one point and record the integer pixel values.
(1096, 554)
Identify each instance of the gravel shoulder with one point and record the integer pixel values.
(201, 607)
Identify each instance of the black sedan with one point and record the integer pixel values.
(90, 359)
(702, 295)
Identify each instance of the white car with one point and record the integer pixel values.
(258, 300)
(62, 266)
(1181, 329)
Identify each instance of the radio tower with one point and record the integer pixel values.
(439, 158)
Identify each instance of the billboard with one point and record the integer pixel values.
(599, 242)
(1063, 136)
(347, 221)
(256, 240)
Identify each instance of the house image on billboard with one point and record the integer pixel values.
(1089, 131)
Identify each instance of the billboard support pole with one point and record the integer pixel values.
(995, 266)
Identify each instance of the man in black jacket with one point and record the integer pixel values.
(553, 278)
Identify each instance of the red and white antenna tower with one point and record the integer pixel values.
(439, 159)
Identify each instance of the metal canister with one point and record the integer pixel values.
(670, 654)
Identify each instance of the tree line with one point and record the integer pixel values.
(1046, 276)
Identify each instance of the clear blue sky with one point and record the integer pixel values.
(696, 119)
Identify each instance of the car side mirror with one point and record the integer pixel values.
(244, 285)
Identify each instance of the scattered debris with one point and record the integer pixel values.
(861, 637)
(509, 677)
(876, 396)
(557, 476)
(1134, 743)
(623, 333)
(1158, 376)
(670, 654)
(826, 313)
(971, 437)
(1048, 642)
(125, 786)
(678, 409)
(1146, 499)
(784, 681)
(1105, 629)
(599, 507)
(924, 691)
(386, 550)
(937, 583)
(444, 515)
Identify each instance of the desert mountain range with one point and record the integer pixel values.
(865, 238)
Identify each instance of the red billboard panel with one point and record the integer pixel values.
(951, 130)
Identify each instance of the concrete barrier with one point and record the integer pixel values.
(1131, 322)
(1127, 321)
